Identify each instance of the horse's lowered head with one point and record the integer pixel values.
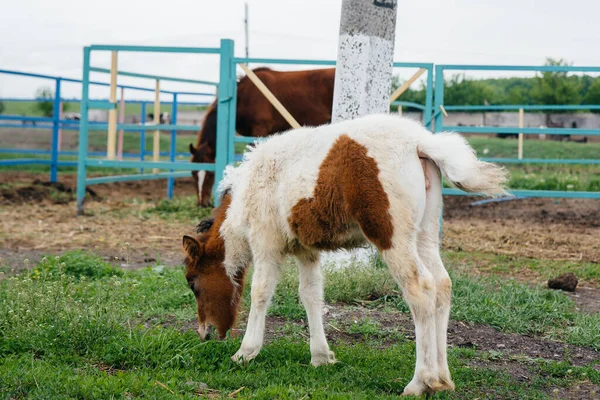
(217, 296)
(205, 152)
(204, 180)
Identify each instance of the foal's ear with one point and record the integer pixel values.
(192, 247)
(192, 149)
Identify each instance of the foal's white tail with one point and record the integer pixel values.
(459, 164)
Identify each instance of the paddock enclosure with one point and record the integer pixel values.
(128, 177)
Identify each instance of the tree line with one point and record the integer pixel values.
(548, 88)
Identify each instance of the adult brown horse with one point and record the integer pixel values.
(307, 95)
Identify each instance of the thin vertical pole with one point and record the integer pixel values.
(171, 180)
(156, 141)
(521, 124)
(60, 117)
(121, 121)
(439, 98)
(143, 136)
(224, 108)
(232, 114)
(55, 127)
(428, 98)
(112, 113)
(439, 123)
(83, 132)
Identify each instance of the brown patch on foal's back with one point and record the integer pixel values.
(348, 193)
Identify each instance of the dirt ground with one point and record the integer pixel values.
(33, 223)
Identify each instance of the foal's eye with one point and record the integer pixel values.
(192, 284)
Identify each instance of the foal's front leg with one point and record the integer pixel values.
(264, 280)
(311, 294)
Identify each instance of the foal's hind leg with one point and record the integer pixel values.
(428, 247)
(311, 294)
(264, 280)
(419, 291)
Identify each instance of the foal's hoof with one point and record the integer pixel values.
(243, 358)
(323, 358)
(429, 386)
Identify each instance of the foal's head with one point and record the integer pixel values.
(217, 297)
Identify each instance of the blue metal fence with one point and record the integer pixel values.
(439, 109)
(176, 169)
(55, 123)
(226, 102)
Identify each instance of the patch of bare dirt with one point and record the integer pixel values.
(119, 232)
(566, 229)
(586, 298)
(576, 212)
(152, 190)
(584, 390)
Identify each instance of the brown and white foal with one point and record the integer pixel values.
(339, 186)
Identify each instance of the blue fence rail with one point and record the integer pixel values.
(439, 108)
(226, 102)
(174, 168)
(55, 123)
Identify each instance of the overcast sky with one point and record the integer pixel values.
(48, 36)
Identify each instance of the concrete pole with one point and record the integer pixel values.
(365, 58)
(246, 37)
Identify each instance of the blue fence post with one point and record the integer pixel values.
(224, 109)
(83, 132)
(232, 114)
(143, 135)
(429, 98)
(439, 122)
(55, 128)
(171, 180)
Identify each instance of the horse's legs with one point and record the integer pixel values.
(428, 247)
(311, 294)
(264, 280)
(418, 287)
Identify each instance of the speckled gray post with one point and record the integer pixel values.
(365, 58)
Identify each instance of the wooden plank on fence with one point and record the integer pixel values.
(521, 124)
(270, 96)
(406, 85)
(112, 114)
(156, 141)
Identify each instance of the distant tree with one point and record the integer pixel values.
(459, 90)
(410, 95)
(593, 94)
(45, 101)
(555, 87)
(2, 107)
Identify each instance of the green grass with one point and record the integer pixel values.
(498, 301)
(477, 262)
(564, 177)
(507, 148)
(182, 208)
(75, 326)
